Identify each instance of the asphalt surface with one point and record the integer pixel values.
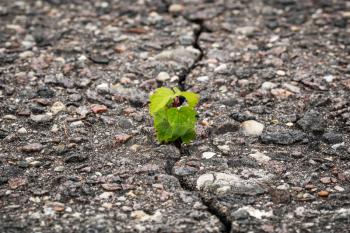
(78, 151)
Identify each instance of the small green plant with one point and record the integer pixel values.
(174, 114)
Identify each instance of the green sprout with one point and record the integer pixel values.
(174, 114)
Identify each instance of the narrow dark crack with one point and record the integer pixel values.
(209, 204)
(170, 163)
(197, 33)
(195, 44)
(214, 211)
(169, 167)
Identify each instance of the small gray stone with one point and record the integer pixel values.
(291, 88)
(332, 138)
(75, 158)
(229, 102)
(184, 171)
(124, 123)
(23, 164)
(74, 97)
(268, 86)
(34, 147)
(280, 196)
(41, 118)
(226, 127)
(240, 117)
(76, 124)
(59, 169)
(22, 130)
(224, 182)
(45, 92)
(240, 214)
(278, 135)
(103, 88)
(312, 121)
(246, 30)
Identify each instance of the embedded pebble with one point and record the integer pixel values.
(57, 107)
(326, 180)
(291, 88)
(9, 117)
(22, 131)
(111, 187)
(323, 194)
(312, 121)
(102, 88)
(281, 93)
(260, 157)
(17, 182)
(76, 124)
(163, 76)
(41, 118)
(122, 138)
(176, 8)
(328, 78)
(98, 108)
(339, 188)
(76, 158)
(208, 155)
(281, 72)
(252, 128)
(268, 85)
(106, 195)
(59, 169)
(203, 78)
(34, 147)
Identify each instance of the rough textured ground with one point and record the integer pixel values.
(77, 146)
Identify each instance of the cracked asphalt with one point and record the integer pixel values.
(77, 147)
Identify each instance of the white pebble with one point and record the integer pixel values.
(280, 72)
(203, 78)
(208, 154)
(163, 76)
(252, 128)
(22, 130)
(328, 78)
(339, 189)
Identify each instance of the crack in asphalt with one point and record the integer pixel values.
(209, 204)
(170, 163)
(195, 44)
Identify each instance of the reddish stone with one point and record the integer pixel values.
(17, 182)
(323, 194)
(121, 138)
(97, 108)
